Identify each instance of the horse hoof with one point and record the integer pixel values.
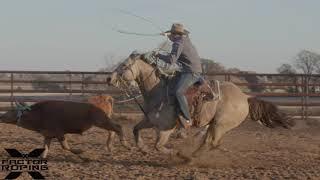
(222, 150)
(143, 150)
(197, 153)
(182, 135)
(186, 159)
(85, 159)
(76, 151)
(126, 145)
(108, 149)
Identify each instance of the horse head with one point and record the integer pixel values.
(133, 69)
(126, 72)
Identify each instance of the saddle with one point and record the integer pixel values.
(196, 96)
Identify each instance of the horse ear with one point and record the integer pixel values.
(134, 55)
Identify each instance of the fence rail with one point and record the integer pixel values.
(74, 86)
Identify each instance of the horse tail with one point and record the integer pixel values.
(268, 114)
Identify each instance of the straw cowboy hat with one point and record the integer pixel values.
(177, 28)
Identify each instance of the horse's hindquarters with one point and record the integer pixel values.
(207, 113)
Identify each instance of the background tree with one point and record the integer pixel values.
(288, 69)
(309, 63)
(210, 66)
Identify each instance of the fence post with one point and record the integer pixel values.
(70, 86)
(307, 97)
(302, 97)
(11, 89)
(82, 84)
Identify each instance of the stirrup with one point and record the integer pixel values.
(185, 122)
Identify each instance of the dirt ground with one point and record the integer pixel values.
(253, 152)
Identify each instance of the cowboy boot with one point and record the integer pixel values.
(186, 123)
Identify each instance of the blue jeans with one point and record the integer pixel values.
(186, 80)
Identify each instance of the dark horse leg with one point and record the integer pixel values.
(144, 124)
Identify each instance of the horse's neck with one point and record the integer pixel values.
(151, 86)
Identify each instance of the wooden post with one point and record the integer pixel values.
(307, 97)
(70, 86)
(11, 89)
(82, 84)
(303, 101)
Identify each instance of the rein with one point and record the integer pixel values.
(128, 94)
(128, 100)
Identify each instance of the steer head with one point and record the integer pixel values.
(9, 117)
(13, 116)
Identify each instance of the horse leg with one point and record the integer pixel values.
(46, 146)
(202, 131)
(144, 124)
(206, 141)
(65, 145)
(220, 126)
(180, 133)
(116, 128)
(162, 139)
(110, 140)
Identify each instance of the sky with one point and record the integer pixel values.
(78, 35)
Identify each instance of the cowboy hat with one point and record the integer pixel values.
(177, 28)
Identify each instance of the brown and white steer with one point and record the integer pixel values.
(54, 119)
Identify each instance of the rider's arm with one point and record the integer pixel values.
(177, 47)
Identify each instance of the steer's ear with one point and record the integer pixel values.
(111, 101)
(17, 104)
(23, 104)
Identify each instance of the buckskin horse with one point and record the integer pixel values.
(221, 115)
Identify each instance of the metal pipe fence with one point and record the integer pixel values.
(74, 85)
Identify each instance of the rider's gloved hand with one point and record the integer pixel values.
(155, 54)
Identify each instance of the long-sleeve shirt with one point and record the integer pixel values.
(185, 53)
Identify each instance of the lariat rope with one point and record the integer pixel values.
(143, 19)
(135, 33)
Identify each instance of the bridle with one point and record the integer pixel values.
(126, 88)
(129, 66)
